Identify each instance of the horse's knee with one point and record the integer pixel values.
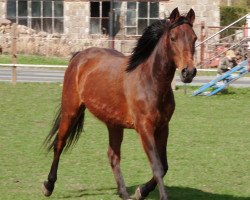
(161, 172)
(114, 159)
(109, 154)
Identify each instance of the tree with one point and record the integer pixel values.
(238, 3)
(229, 14)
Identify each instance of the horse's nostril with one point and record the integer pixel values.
(189, 72)
(194, 72)
(184, 72)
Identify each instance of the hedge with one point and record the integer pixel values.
(229, 14)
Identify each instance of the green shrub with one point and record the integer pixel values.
(229, 14)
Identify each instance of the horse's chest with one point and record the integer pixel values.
(166, 108)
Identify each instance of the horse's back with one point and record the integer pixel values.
(95, 58)
(92, 52)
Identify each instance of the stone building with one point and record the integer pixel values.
(77, 24)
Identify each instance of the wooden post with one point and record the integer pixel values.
(122, 46)
(111, 25)
(185, 88)
(13, 52)
(248, 30)
(203, 35)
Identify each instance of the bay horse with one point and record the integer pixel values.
(127, 92)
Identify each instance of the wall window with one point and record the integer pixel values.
(139, 15)
(40, 15)
(99, 17)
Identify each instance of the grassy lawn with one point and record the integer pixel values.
(208, 150)
(34, 59)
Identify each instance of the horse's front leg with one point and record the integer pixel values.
(114, 155)
(160, 136)
(154, 145)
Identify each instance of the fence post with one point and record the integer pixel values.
(13, 52)
(111, 25)
(203, 35)
(248, 30)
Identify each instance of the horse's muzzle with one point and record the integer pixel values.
(187, 74)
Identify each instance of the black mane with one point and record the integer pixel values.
(146, 43)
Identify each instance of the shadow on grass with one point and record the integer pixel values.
(90, 192)
(185, 193)
(175, 193)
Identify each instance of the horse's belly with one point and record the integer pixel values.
(108, 113)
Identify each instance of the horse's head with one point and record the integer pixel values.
(182, 43)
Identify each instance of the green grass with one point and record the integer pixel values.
(208, 149)
(34, 59)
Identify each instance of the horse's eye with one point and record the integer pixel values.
(195, 39)
(172, 39)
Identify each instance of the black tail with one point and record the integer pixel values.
(74, 131)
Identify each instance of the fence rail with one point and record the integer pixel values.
(14, 67)
(33, 66)
(65, 66)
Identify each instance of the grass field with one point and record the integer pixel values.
(208, 151)
(34, 59)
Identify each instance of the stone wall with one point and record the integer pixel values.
(207, 11)
(76, 25)
(32, 42)
(77, 14)
(2, 9)
(76, 19)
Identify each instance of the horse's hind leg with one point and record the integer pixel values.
(69, 118)
(114, 154)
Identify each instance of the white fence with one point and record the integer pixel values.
(34, 66)
(41, 71)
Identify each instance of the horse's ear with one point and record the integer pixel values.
(191, 16)
(174, 15)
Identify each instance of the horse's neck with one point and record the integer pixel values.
(161, 67)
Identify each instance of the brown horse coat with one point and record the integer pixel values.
(127, 92)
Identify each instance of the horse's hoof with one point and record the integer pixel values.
(138, 195)
(46, 192)
(125, 197)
